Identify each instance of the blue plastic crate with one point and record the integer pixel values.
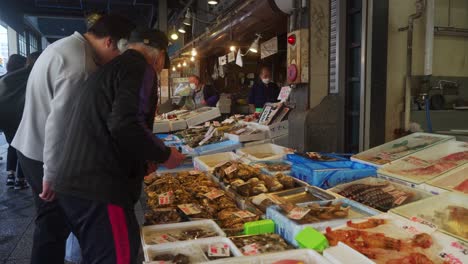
(329, 174)
(294, 158)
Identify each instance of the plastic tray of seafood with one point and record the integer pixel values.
(297, 256)
(192, 195)
(344, 254)
(209, 162)
(169, 233)
(380, 194)
(264, 152)
(294, 196)
(428, 163)
(273, 167)
(448, 211)
(455, 180)
(291, 219)
(399, 148)
(247, 181)
(389, 239)
(198, 251)
(252, 245)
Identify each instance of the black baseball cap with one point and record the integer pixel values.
(153, 38)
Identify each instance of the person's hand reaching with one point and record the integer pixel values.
(48, 193)
(175, 159)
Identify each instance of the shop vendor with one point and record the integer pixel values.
(263, 91)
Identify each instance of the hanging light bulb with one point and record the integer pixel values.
(179, 65)
(192, 59)
(187, 19)
(232, 48)
(184, 64)
(254, 47)
(194, 52)
(173, 68)
(212, 2)
(174, 35)
(182, 29)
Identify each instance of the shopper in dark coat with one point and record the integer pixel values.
(12, 93)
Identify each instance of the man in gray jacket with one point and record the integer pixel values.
(54, 83)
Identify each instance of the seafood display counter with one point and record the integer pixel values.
(251, 206)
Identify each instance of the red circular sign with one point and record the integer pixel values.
(292, 72)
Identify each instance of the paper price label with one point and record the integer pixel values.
(216, 124)
(400, 200)
(220, 164)
(298, 213)
(214, 194)
(411, 229)
(219, 250)
(230, 169)
(166, 198)
(194, 172)
(424, 222)
(189, 209)
(244, 214)
(163, 238)
(228, 121)
(250, 250)
(454, 253)
(205, 140)
(207, 124)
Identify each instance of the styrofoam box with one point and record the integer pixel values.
(305, 256)
(274, 130)
(425, 159)
(289, 229)
(208, 162)
(255, 143)
(281, 140)
(161, 127)
(147, 231)
(195, 249)
(428, 208)
(418, 194)
(343, 254)
(413, 140)
(451, 179)
(260, 135)
(203, 116)
(277, 152)
(178, 125)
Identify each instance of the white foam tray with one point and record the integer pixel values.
(201, 117)
(261, 135)
(414, 139)
(194, 249)
(208, 162)
(146, 231)
(343, 254)
(277, 152)
(304, 256)
(451, 179)
(429, 156)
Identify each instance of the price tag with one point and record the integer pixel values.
(166, 198)
(207, 124)
(244, 214)
(454, 253)
(162, 238)
(194, 172)
(228, 121)
(411, 229)
(210, 132)
(189, 209)
(214, 194)
(216, 124)
(257, 200)
(220, 164)
(219, 250)
(230, 169)
(298, 213)
(251, 249)
(389, 188)
(400, 200)
(240, 131)
(429, 224)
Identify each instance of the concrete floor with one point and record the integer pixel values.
(17, 218)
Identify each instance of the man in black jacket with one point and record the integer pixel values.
(12, 94)
(108, 141)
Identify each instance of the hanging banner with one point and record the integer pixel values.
(222, 60)
(239, 59)
(269, 47)
(231, 56)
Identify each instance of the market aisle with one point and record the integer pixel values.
(17, 216)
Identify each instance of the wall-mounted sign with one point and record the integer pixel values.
(269, 47)
(231, 56)
(222, 60)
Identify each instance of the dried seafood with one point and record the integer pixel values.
(454, 219)
(382, 197)
(315, 212)
(259, 244)
(160, 237)
(166, 192)
(371, 244)
(176, 259)
(249, 181)
(413, 258)
(273, 167)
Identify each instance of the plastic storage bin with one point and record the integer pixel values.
(289, 228)
(329, 174)
(150, 234)
(263, 152)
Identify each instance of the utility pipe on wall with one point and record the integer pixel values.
(429, 43)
